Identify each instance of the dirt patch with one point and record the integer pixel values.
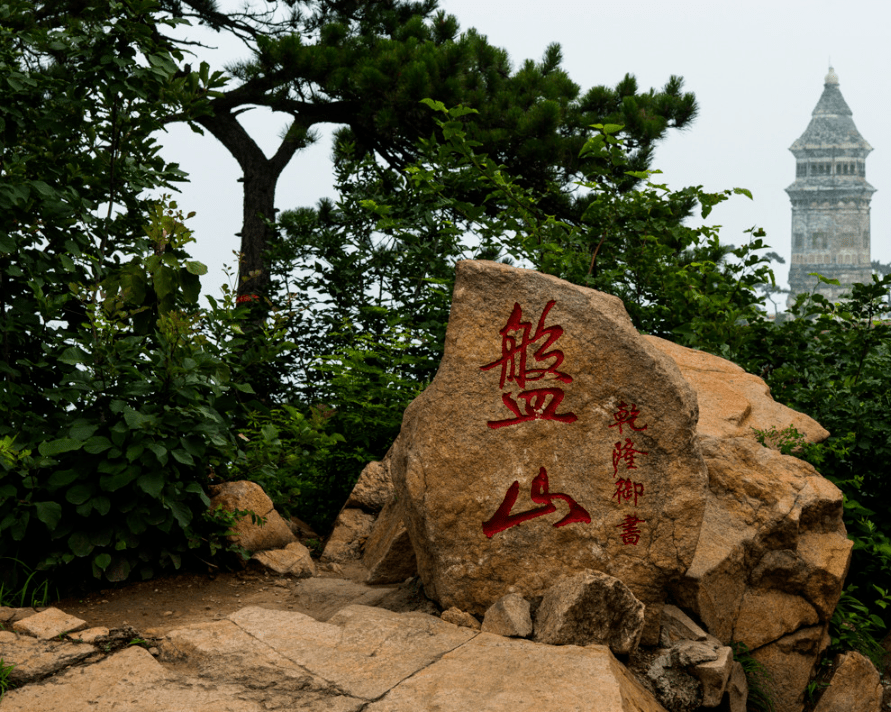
(158, 606)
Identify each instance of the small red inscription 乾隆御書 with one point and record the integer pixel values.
(630, 532)
(627, 490)
(503, 519)
(626, 415)
(625, 453)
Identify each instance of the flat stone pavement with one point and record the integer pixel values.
(361, 658)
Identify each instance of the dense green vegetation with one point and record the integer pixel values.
(123, 401)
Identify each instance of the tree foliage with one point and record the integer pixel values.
(364, 65)
(115, 409)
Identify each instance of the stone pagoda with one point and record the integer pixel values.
(830, 199)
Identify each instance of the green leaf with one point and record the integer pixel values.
(80, 544)
(74, 355)
(195, 267)
(102, 561)
(160, 451)
(135, 419)
(82, 431)
(61, 478)
(79, 494)
(49, 513)
(181, 512)
(52, 448)
(152, 483)
(182, 456)
(134, 451)
(102, 505)
(112, 483)
(97, 444)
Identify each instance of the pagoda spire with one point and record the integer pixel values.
(830, 198)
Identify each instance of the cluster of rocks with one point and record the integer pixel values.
(591, 515)
(747, 541)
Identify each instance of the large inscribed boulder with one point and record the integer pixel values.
(553, 439)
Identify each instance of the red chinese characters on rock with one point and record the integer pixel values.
(626, 416)
(626, 490)
(624, 454)
(630, 532)
(533, 403)
(503, 519)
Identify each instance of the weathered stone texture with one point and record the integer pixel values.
(590, 607)
(790, 663)
(388, 554)
(274, 534)
(495, 674)
(373, 489)
(294, 560)
(456, 616)
(509, 616)
(457, 457)
(35, 659)
(772, 524)
(733, 402)
(351, 529)
(49, 623)
(855, 686)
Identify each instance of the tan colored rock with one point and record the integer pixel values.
(826, 558)
(502, 498)
(294, 560)
(321, 598)
(766, 616)
(790, 663)
(688, 653)
(91, 635)
(11, 615)
(35, 659)
(373, 489)
(714, 676)
(351, 529)
(133, 681)
(590, 608)
(677, 626)
(771, 520)
(244, 495)
(509, 616)
(855, 686)
(222, 651)
(737, 689)
(364, 651)
(50, 623)
(388, 554)
(731, 401)
(495, 674)
(456, 616)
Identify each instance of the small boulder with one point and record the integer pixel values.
(590, 607)
(456, 616)
(244, 495)
(294, 560)
(855, 686)
(509, 616)
(714, 675)
(737, 689)
(351, 530)
(50, 623)
(373, 489)
(677, 626)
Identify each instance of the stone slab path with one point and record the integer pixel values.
(361, 658)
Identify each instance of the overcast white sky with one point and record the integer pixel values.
(756, 68)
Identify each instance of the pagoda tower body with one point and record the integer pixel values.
(830, 199)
